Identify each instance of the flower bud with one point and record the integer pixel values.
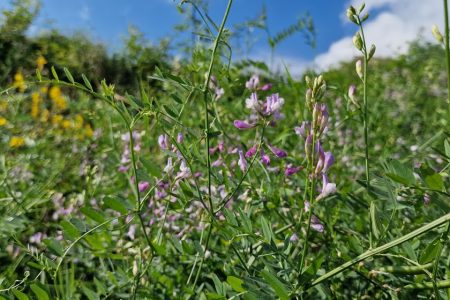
(352, 94)
(361, 8)
(351, 15)
(365, 17)
(359, 69)
(357, 41)
(242, 125)
(437, 34)
(371, 51)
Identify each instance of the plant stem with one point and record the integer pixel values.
(206, 125)
(447, 54)
(311, 198)
(366, 126)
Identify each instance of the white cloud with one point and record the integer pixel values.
(397, 23)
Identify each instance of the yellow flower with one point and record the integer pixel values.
(60, 103)
(41, 61)
(16, 142)
(55, 92)
(44, 90)
(88, 131)
(78, 122)
(19, 82)
(35, 101)
(3, 121)
(56, 119)
(66, 124)
(44, 116)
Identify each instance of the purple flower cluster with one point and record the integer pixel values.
(312, 132)
(268, 110)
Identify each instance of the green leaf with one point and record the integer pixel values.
(40, 293)
(433, 249)
(277, 285)
(115, 204)
(267, 231)
(55, 75)
(93, 214)
(236, 284)
(68, 75)
(69, 230)
(87, 83)
(89, 293)
(54, 246)
(401, 173)
(19, 295)
(447, 148)
(435, 182)
(38, 75)
(170, 112)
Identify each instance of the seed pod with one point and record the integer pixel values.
(357, 41)
(371, 51)
(437, 34)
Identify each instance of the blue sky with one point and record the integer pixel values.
(393, 23)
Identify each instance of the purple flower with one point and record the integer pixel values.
(293, 238)
(266, 87)
(316, 224)
(143, 186)
(242, 125)
(278, 152)
(291, 170)
(185, 172)
(328, 161)
(163, 141)
(252, 83)
(352, 94)
(273, 104)
(426, 199)
(169, 166)
(217, 163)
(304, 129)
(242, 162)
(327, 188)
(251, 151)
(265, 158)
(252, 102)
(180, 138)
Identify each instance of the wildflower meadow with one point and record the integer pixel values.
(141, 175)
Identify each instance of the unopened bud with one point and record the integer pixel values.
(357, 41)
(352, 95)
(437, 34)
(371, 51)
(351, 15)
(361, 8)
(359, 69)
(365, 17)
(308, 81)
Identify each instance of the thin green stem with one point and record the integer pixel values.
(447, 54)
(366, 126)
(311, 198)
